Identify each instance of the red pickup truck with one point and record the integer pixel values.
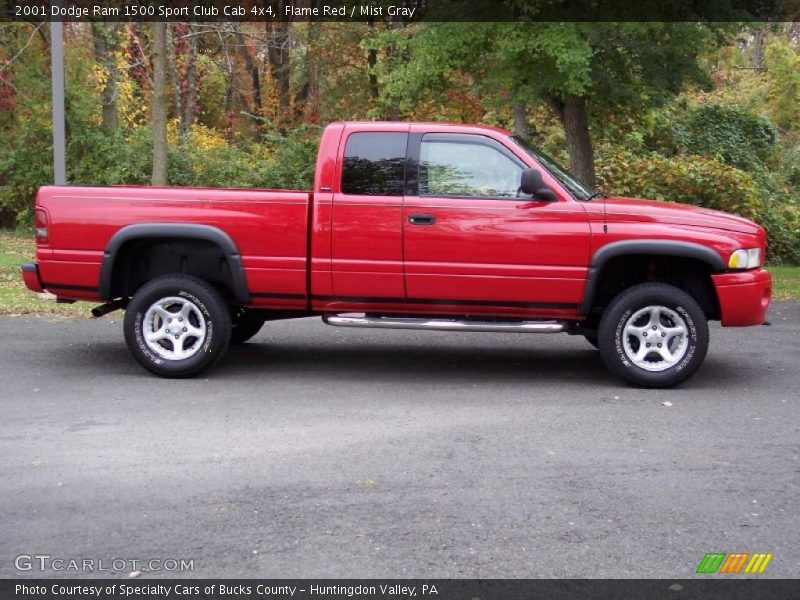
(409, 226)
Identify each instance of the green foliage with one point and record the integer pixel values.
(615, 65)
(729, 134)
(782, 222)
(707, 182)
(294, 160)
(783, 59)
(24, 166)
(695, 180)
(211, 93)
(124, 157)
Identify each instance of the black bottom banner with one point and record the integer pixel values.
(399, 589)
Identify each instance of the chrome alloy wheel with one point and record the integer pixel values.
(174, 328)
(655, 338)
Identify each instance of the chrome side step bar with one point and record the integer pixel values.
(361, 320)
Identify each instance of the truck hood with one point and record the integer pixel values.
(635, 209)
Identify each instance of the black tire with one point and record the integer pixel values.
(245, 325)
(203, 302)
(613, 339)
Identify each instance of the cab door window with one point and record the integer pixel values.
(374, 164)
(465, 165)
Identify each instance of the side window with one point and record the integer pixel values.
(467, 165)
(374, 164)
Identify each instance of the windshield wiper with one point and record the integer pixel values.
(596, 195)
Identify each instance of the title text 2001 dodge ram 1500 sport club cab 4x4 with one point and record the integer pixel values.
(409, 226)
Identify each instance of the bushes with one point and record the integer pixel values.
(717, 156)
(782, 222)
(691, 179)
(726, 133)
(709, 183)
(125, 157)
(25, 163)
(729, 134)
(204, 159)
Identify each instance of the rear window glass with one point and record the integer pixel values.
(375, 164)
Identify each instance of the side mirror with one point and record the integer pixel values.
(531, 183)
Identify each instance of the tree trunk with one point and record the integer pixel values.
(301, 100)
(182, 56)
(571, 111)
(757, 60)
(521, 126)
(255, 78)
(306, 97)
(189, 106)
(372, 61)
(104, 40)
(174, 76)
(159, 104)
(278, 54)
(393, 112)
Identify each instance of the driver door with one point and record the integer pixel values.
(470, 239)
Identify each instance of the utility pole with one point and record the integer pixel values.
(57, 79)
(159, 104)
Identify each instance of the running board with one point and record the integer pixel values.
(355, 320)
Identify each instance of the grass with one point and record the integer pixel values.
(16, 248)
(785, 282)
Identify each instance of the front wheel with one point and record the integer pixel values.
(177, 326)
(653, 335)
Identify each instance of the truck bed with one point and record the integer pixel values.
(269, 226)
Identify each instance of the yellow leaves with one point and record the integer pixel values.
(130, 107)
(100, 76)
(202, 137)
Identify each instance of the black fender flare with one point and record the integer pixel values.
(168, 231)
(650, 247)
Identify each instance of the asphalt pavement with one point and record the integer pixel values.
(323, 452)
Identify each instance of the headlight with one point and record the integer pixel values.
(749, 258)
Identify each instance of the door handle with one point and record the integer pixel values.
(421, 219)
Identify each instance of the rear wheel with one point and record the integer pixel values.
(245, 325)
(177, 326)
(653, 335)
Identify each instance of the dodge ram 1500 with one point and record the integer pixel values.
(408, 226)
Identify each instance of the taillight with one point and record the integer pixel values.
(42, 233)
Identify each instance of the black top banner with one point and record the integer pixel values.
(399, 589)
(401, 11)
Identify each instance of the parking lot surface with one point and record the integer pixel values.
(317, 452)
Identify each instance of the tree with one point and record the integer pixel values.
(388, 50)
(183, 72)
(784, 83)
(280, 37)
(251, 67)
(159, 104)
(105, 39)
(580, 70)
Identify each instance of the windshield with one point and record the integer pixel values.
(575, 187)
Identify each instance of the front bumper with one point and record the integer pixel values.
(30, 275)
(743, 297)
